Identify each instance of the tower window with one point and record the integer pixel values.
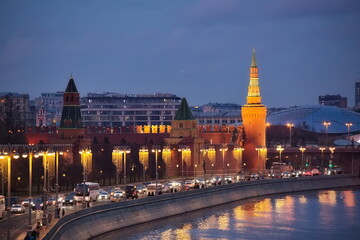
(181, 125)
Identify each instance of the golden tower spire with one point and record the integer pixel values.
(253, 96)
(254, 121)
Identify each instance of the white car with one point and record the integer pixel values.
(17, 208)
(103, 195)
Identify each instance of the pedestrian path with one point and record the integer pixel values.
(43, 231)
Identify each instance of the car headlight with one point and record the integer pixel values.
(71, 200)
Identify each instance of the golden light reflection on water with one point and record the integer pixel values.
(349, 198)
(183, 232)
(208, 223)
(224, 221)
(302, 200)
(166, 234)
(245, 213)
(327, 197)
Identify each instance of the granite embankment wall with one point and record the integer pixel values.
(95, 221)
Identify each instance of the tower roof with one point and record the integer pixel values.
(253, 59)
(184, 112)
(71, 87)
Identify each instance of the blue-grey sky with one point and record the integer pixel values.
(198, 49)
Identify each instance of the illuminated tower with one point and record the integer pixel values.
(254, 121)
(71, 124)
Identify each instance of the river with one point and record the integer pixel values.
(326, 214)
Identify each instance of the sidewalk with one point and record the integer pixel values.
(44, 229)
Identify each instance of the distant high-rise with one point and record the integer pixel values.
(254, 122)
(357, 95)
(333, 100)
(122, 110)
(15, 108)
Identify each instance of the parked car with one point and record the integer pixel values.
(69, 200)
(17, 208)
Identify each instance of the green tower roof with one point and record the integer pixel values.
(71, 87)
(184, 112)
(253, 59)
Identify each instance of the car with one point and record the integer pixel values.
(200, 182)
(51, 201)
(286, 175)
(103, 195)
(228, 179)
(26, 202)
(131, 192)
(115, 198)
(69, 200)
(37, 204)
(214, 181)
(141, 189)
(308, 173)
(189, 184)
(274, 175)
(254, 176)
(17, 208)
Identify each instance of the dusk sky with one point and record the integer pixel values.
(200, 50)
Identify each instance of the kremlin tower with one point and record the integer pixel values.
(71, 124)
(254, 122)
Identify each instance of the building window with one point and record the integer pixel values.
(181, 125)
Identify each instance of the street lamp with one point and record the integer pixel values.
(183, 150)
(228, 168)
(302, 149)
(156, 150)
(195, 166)
(204, 151)
(322, 149)
(5, 154)
(86, 161)
(223, 149)
(125, 151)
(238, 155)
(144, 158)
(280, 149)
(259, 150)
(290, 125)
(327, 124)
(332, 149)
(348, 125)
(166, 156)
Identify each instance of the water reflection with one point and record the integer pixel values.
(330, 214)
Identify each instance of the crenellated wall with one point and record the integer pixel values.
(98, 220)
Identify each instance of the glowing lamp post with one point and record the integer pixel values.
(280, 149)
(302, 149)
(348, 125)
(332, 149)
(327, 124)
(223, 149)
(290, 125)
(156, 150)
(322, 149)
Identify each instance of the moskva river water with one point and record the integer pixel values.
(326, 214)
